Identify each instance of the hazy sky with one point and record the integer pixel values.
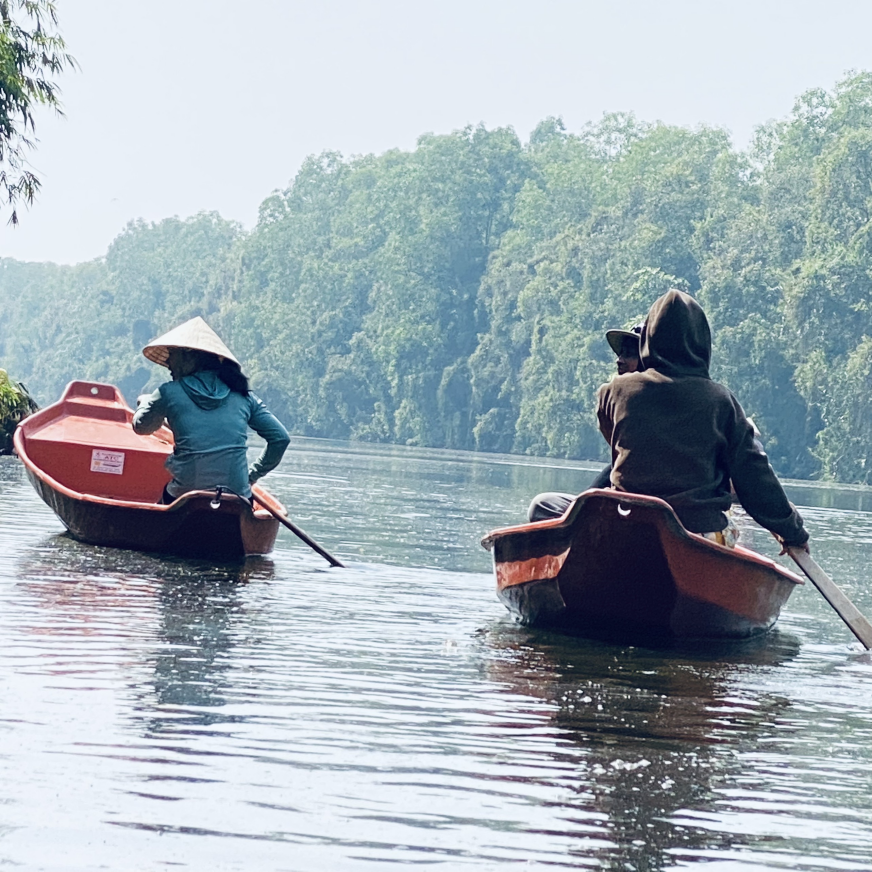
(189, 105)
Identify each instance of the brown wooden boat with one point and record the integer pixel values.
(104, 482)
(624, 564)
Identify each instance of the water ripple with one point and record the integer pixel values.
(280, 715)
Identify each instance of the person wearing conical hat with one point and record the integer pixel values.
(209, 408)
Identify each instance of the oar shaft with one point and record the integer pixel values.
(265, 500)
(307, 539)
(832, 593)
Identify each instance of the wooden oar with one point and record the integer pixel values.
(843, 607)
(284, 519)
(263, 498)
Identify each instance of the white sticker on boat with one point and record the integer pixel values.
(107, 461)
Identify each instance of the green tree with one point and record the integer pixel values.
(359, 286)
(32, 55)
(15, 405)
(457, 294)
(630, 199)
(91, 320)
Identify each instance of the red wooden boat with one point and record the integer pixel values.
(104, 482)
(624, 564)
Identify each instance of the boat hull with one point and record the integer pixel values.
(103, 483)
(623, 563)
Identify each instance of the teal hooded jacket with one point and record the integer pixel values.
(210, 424)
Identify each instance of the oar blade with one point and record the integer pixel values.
(832, 593)
(266, 500)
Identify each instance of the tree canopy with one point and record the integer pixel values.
(456, 295)
(32, 55)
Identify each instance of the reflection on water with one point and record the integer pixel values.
(281, 715)
(196, 627)
(643, 742)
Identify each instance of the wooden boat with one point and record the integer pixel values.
(104, 482)
(624, 564)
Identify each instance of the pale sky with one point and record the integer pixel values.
(182, 106)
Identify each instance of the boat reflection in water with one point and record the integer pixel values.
(646, 742)
(175, 618)
(201, 617)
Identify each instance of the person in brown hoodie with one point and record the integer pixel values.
(676, 434)
(625, 344)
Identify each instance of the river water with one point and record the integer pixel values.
(281, 715)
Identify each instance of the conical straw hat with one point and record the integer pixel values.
(196, 334)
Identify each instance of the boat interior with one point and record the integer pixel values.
(86, 444)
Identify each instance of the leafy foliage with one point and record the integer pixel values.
(15, 405)
(457, 294)
(32, 55)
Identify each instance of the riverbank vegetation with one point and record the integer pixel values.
(15, 405)
(457, 295)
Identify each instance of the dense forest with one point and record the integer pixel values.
(457, 295)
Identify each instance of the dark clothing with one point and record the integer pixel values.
(549, 505)
(678, 435)
(603, 478)
(554, 503)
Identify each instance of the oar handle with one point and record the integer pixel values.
(833, 594)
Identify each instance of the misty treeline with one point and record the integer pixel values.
(457, 295)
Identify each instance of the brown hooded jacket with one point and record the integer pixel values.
(678, 435)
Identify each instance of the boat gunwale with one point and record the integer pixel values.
(54, 411)
(565, 522)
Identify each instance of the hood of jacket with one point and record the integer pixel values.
(676, 339)
(205, 388)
